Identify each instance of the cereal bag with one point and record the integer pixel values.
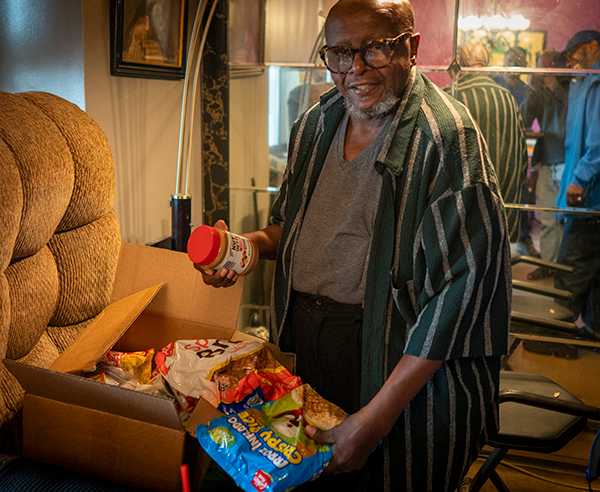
(266, 448)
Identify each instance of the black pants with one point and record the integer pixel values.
(326, 338)
(581, 250)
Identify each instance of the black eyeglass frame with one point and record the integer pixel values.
(568, 56)
(391, 42)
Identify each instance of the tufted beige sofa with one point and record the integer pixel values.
(59, 236)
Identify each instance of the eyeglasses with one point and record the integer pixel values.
(571, 53)
(376, 54)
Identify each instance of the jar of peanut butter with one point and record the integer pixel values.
(215, 248)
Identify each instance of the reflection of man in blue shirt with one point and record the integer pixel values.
(580, 185)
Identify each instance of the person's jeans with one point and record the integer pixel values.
(551, 233)
(580, 249)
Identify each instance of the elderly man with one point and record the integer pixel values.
(580, 184)
(497, 114)
(392, 281)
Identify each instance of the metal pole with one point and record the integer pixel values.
(191, 58)
(181, 202)
(194, 91)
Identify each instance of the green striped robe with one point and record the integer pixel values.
(497, 114)
(438, 282)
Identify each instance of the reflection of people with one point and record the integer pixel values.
(390, 202)
(514, 57)
(498, 117)
(547, 102)
(303, 97)
(517, 57)
(580, 184)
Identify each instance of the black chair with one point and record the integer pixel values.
(536, 415)
(541, 305)
(516, 258)
(535, 316)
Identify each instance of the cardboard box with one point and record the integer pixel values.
(119, 434)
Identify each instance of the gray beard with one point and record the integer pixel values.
(378, 109)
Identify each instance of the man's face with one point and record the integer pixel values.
(364, 87)
(509, 60)
(581, 57)
(513, 60)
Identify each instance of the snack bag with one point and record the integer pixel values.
(101, 377)
(265, 448)
(137, 363)
(231, 376)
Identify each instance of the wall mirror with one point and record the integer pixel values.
(266, 98)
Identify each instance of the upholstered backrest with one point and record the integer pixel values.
(59, 236)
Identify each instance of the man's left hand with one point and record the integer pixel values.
(575, 196)
(352, 442)
(355, 438)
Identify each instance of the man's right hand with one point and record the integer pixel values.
(217, 278)
(575, 195)
(267, 242)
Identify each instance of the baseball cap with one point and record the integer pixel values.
(580, 38)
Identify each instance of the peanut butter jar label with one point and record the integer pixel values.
(237, 255)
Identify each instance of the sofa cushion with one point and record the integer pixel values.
(60, 236)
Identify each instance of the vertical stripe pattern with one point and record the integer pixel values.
(497, 114)
(438, 279)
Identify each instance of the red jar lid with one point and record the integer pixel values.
(203, 245)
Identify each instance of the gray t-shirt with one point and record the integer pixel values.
(333, 246)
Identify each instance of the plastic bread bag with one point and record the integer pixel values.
(156, 385)
(116, 376)
(265, 448)
(231, 376)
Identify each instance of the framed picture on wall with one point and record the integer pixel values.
(148, 38)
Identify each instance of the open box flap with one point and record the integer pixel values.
(103, 332)
(184, 296)
(75, 390)
(156, 332)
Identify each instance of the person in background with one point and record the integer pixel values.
(517, 57)
(392, 282)
(580, 185)
(514, 57)
(547, 101)
(496, 112)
